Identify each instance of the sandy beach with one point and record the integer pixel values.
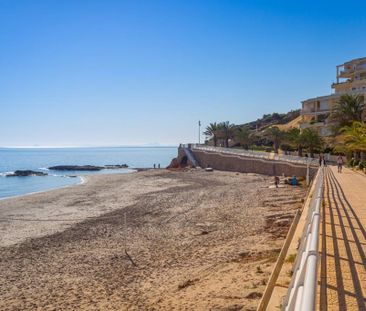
(195, 241)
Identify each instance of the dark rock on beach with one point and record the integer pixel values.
(21, 173)
(76, 168)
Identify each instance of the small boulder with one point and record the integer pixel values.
(282, 222)
(254, 295)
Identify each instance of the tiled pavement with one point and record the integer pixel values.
(342, 273)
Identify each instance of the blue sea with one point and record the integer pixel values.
(39, 159)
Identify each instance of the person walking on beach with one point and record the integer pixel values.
(277, 181)
(154, 165)
(340, 163)
(320, 159)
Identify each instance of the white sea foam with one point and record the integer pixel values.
(55, 175)
(3, 174)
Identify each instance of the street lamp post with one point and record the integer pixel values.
(199, 132)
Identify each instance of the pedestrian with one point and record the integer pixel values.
(340, 163)
(294, 181)
(154, 165)
(324, 162)
(277, 181)
(320, 159)
(159, 165)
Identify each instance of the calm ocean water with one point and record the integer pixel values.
(39, 159)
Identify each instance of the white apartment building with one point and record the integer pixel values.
(351, 79)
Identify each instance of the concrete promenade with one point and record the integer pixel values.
(342, 271)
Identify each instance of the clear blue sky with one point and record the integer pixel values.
(137, 72)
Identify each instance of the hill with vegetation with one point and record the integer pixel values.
(272, 119)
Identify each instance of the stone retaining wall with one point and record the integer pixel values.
(226, 162)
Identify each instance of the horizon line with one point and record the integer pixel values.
(92, 146)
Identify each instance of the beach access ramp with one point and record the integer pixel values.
(190, 156)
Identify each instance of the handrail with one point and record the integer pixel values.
(255, 154)
(301, 293)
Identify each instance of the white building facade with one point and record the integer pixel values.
(351, 79)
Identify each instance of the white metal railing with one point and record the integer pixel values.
(301, 293)
(256, 154)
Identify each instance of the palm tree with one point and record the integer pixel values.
(243, 137)
(212, 131)
(354, 138)
(349, 108)
(275, 135)
(293, 136)
(311, 140)
(226, 132)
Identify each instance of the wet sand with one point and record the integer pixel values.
(194, 240)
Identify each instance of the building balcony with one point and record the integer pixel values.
(351, 72)
(345, 73)
(313, 111)
(341, 85)
(358, 85)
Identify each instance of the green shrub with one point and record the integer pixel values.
(362, 165)
(353, 162)
(291, 258)
(257, 148)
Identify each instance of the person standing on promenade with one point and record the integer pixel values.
(340, 163)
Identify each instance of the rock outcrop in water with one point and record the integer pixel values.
(76, 168)
(24, 173)
(116, 166)
(86, 167)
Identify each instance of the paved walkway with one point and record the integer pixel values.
(342, 282)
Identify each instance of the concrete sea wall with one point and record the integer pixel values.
(226, 162)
